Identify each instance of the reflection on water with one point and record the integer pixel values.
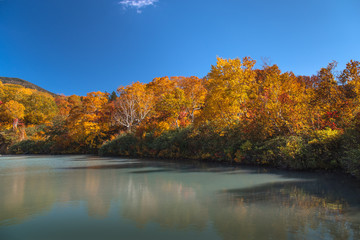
(88, 197)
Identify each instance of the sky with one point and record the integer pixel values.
(80, 46)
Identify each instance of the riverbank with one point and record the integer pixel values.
(329, 150)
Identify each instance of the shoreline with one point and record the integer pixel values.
(211, 162)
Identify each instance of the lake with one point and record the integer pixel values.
(88, 197)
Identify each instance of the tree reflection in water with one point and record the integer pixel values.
(182, 197)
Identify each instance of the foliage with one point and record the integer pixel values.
(7, 139)
(350, 152)
(235, 114)
(124, 145)
(31, 147)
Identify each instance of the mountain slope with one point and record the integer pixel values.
(24, 83)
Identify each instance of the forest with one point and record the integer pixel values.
(236, 114)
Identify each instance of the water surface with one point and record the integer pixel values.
(86, 197)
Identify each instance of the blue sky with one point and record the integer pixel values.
(80, 46)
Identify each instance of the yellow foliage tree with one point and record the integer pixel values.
(13, 111)
(88, 121)
(230, 84)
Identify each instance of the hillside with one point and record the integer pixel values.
(24, 83)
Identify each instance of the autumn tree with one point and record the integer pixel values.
(229, 84)
(194, 93)
(280, 104)
(325, 97)
(350, 78)
(89, 121)
(173, 106)
(13, 111)
(40, 107)
(133, 105)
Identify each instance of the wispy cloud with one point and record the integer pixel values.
(137, 4)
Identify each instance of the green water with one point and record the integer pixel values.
(84, 197)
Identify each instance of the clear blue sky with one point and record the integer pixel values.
(79, 46)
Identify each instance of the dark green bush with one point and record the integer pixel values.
(350, 152)
(124, 145)
(31, 147)
(7, 138)
(323, 149)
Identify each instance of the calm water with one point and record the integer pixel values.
(83, 197)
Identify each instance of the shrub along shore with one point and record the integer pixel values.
(327, 149)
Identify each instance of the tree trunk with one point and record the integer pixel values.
(22, 133)
(15, 124)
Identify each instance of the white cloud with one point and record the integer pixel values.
(137, 4)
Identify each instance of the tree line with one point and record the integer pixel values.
(245, 114)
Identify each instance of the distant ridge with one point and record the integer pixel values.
(24, 83)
